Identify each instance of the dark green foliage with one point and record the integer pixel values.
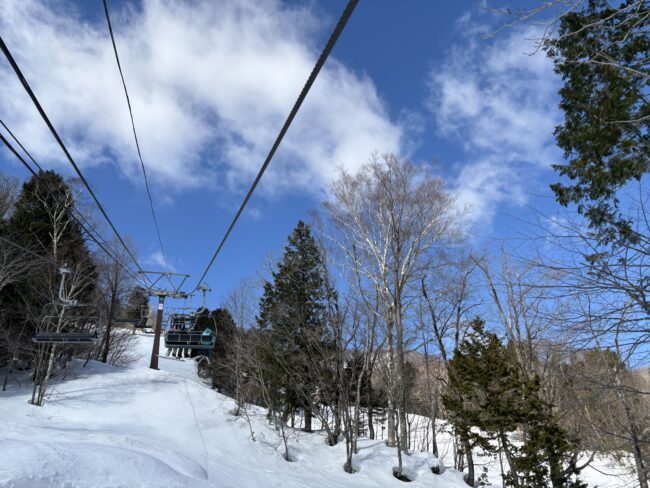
(45, 203)
(32, 221)
(223, 354)
(292, 322)
(137, 305)
(601, 52)
(485, 389)
(489, 397)
(548, 456)
(203, 319)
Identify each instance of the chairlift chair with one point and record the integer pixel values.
(139, 323)
(182, 336)
(74, 331)
(64, 328)
(144, 317)
(190, 339)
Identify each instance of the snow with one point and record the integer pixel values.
(135, 427)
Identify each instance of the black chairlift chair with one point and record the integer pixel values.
(137, 323)
(66, 328)
(74, 331)
(200, 341)
(144, 318)
(182, 336)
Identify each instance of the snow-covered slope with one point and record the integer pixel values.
(135, 427)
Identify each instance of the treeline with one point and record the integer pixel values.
(379, 310)
(40, 232)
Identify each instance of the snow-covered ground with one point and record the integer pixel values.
(135, 427)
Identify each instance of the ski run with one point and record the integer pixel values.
(107, 427)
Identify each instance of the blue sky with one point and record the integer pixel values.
(211, 84)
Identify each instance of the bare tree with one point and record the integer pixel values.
(59, 209)
(608, 287)
(390, 218)
(450, 302)
(114, 281)
(9, 190)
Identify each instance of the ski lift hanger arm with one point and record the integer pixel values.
(161, 274)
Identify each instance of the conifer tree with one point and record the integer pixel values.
(222, 354)
(488, 398)
(292, 322)
(31, 223)
(137, 304)
(42, 221)
(601, 51)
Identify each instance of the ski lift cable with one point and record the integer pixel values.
(345, 16)
(74, 210)
(36, 255)
(21, 146)
(88, 227)
(78, 217)
(31, 253)
(135, 136)
(46, 119)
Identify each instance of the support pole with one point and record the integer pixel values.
(156, 340)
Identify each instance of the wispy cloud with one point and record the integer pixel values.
(500, 104)
(157, 260)
(211, 83)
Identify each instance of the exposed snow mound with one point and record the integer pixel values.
(134, 427)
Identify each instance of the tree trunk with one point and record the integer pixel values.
(109, 325)
(371, 427)
(42, 387)
(390, 413)
(307, 415)
(286, 412)
(434, 442)
(399, 472)
(349, 444)
(390, 423)
(337, 422)
(639, 461)
(401, 372)
(11, 369)
(503, 440)
(469, 479)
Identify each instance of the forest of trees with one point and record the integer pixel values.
(379, 310)
(40, 232)
(381, 307)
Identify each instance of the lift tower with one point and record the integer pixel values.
(174, 291)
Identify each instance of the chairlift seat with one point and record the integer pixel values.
(142, 324)
(189, 340)
(68, 338)
(78, 331)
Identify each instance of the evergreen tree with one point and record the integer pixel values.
(44, 199)
(488, 398)
(601, 52)
(292, 319)
(137, 305)
(42, 222)
(222, 353)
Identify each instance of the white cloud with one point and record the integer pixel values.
(157, 259)
(500, 103)
(211, 83)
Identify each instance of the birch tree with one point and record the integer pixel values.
(391, 216)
